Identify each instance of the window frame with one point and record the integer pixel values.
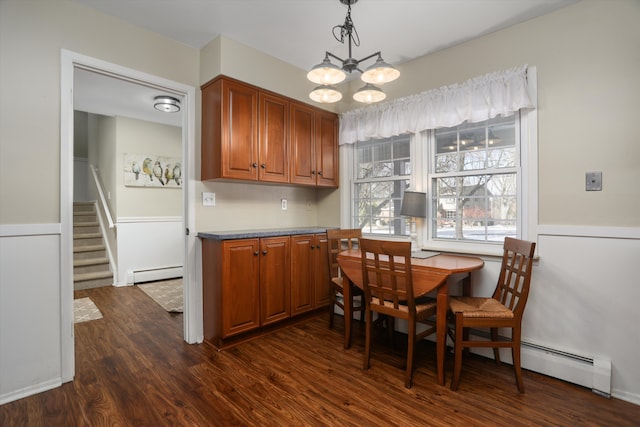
(527, 183)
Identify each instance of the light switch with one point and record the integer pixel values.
(593, 181)
(208, 199)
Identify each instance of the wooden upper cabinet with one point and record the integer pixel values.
(273, 153)
(303, 156)
(256, 135)
(229, 131)
(327, 149)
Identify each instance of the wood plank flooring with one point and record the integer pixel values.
(133, 368)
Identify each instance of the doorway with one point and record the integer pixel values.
(71, 63)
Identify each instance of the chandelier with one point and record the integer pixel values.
(327, 74)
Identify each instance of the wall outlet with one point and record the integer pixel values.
(208, 199)
(284, 204)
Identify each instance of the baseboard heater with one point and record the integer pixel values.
(152, 274)
(590, 372)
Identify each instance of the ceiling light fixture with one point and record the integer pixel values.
(327, 74)
(168, 104)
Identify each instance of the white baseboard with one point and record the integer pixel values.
(31, 390)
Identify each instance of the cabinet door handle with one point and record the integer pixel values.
(254, 165)
(264, 252)
(313, 172)
(256, 253)
(263, 166)
(320, 173)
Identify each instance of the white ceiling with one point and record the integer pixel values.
(300, 31)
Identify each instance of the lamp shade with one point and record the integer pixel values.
(326, 73)
(369, 94)
(414, 204)
(380, 72)
(325, 94)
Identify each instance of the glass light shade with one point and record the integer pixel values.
(166, 104)
(326, 73)
(380, 72)
(325, 94)
(369, 94)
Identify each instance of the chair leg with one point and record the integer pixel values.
(410, 353)
(458, 347)
(496, 350)
(515, 354)
(332, 307)
(367, 339)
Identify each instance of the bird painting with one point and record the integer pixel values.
(135, 168)
(177, 173)
(157, 171)
(168, 173)
(147, 168)
(163, 171)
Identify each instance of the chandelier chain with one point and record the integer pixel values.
(347, 29)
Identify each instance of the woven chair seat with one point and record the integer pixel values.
(427, 304)
(479, 307)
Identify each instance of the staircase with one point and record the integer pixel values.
(91, 267)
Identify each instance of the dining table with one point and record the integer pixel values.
(431, 274)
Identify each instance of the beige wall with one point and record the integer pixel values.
(142, 137)
(32, 34)
(588, 57)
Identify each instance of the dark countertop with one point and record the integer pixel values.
(269, 232)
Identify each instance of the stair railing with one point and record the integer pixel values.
(103, 200)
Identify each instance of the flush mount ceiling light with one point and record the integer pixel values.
(168, 104)
(327, 73)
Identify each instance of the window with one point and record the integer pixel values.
(473, 181)
(382, 171)
(471, 174)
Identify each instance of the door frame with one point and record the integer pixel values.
(192, 292)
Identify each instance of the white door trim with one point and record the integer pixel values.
(192, 295)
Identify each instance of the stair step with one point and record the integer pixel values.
(93, 275)
(87, 224)
(90, 261)
(88, 248)
(87, 236)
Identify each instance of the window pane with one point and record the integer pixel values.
(383, 169)
(482, 206)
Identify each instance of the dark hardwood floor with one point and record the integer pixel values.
(133, 368)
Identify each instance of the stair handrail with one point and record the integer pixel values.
(103, 200)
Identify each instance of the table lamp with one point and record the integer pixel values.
(414, 205)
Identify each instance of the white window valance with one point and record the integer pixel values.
(478, 99)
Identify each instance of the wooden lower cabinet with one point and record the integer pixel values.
(309, 273)
(275, 304)
(253, 283)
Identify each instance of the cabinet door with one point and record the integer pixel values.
(274, 280)
(240, 286)
(239, 152)
(327, 149)
(302, 140)
(273, 138)
(302, 255)
(321, 270)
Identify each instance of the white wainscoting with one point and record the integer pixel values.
(149, 249)
(30, 312)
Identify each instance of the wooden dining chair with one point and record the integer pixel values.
(338, 241)
(503, 310)
(388, 291)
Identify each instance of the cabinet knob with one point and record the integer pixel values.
(263, 166)
(313, 172)
(254, 165)
(256, 253)
(264, 252)
(320, 173)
